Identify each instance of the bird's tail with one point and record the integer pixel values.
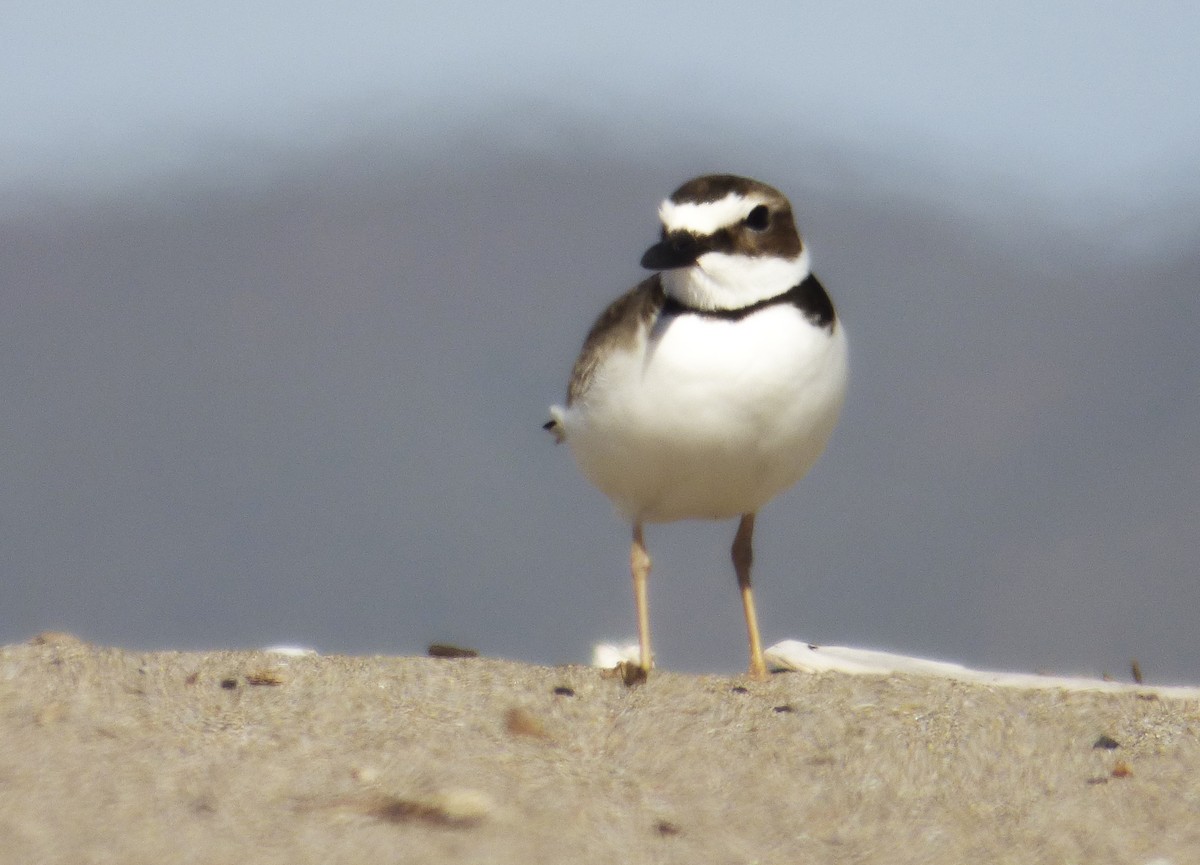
(554, 426)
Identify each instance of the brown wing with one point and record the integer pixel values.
(616, 328)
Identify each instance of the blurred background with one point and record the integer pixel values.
(286, 289)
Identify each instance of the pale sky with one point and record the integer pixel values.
(1089, 96)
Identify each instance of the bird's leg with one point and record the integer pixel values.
(743, 557)
(639, 564)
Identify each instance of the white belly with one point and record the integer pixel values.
(709, 418)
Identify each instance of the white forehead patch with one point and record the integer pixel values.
(708, 216)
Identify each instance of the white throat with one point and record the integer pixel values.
(719, 280)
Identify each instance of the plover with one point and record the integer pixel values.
(712, 386)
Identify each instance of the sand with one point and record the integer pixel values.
(115, 756)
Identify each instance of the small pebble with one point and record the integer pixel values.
(445, 650)
(264, 677)
(459, 809)
(521, 722)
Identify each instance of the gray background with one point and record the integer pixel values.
(286, 291)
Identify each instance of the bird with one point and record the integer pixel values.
(713, 385)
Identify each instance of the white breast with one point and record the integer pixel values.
(709, 418)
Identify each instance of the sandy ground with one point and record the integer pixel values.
(112, 756)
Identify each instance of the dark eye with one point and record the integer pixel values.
(758, 218)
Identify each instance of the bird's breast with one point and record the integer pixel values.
(710, 417)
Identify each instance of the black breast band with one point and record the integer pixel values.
(808, 296)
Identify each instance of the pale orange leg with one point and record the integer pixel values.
(639, 564)
(743, 557)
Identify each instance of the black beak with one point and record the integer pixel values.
(678, 249)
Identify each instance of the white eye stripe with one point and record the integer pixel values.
(706, 217)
